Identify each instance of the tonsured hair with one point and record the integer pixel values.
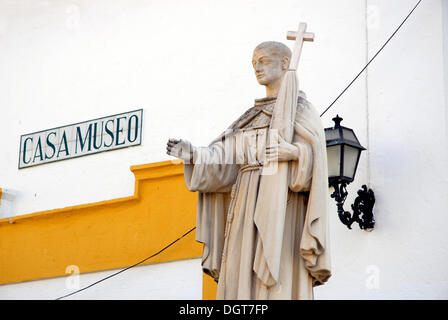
(275, 48)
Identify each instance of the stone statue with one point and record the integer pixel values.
(265, 236)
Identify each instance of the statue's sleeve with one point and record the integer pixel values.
(211, 171)
(213, 176)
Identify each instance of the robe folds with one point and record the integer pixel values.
(241, 252)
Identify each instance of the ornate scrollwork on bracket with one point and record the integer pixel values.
(362, 207)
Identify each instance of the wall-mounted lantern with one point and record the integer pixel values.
(343, 152)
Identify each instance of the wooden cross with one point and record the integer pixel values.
(299, 36)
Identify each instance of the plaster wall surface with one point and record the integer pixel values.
(188, 65)
(162, 281)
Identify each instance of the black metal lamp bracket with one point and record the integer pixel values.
(362, 207)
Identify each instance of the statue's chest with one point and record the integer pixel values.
(250, 142)
(250, 139)
(262, 119)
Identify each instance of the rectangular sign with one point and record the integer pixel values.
(80, 139)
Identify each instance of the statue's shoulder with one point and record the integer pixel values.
(305, 110)
(246, 116)
(302, 103)
(302, 99)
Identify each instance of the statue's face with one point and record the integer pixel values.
(268, 67)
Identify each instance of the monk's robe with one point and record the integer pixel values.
(227, 176)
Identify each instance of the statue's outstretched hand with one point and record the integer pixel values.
(281, 151)
(181, 149)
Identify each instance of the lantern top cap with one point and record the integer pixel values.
(337, 121)
(341, 135)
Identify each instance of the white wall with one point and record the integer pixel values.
(165, 281)
(445, 59)
(408, 250)
(187, 64)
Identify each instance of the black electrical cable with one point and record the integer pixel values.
(357, 76)
(127, 268)
(169, 245)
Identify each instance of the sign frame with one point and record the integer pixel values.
(76, 124)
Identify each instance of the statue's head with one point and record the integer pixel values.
(270, 61)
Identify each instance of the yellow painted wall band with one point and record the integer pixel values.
(104, 235)
(107, 234)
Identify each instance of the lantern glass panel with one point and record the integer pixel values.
(332, 134)
(334, 161)
(349, 135)
(350, 161)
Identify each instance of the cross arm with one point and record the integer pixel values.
(299, 36)
(307, 36)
